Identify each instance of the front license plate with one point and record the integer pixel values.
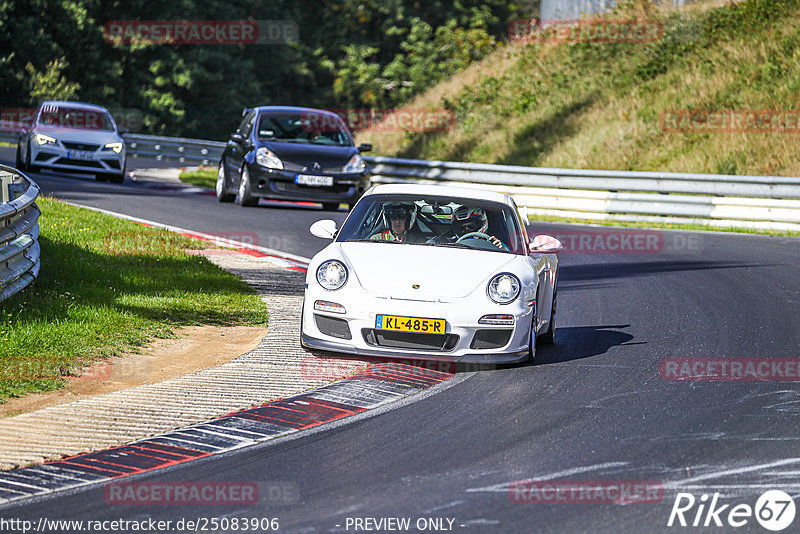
(79, 154)
(410, 324)
(311, 179)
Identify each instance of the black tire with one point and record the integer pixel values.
(548, 338)
(244, 197)
(119, 178)
(30, 167)
(330, 206)
(19, 164)
(222, 194)
(532, 347)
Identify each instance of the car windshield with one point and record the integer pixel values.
(435, 221)
(306, 127)
(80, 118)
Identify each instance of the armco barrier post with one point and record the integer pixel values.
(6, 178)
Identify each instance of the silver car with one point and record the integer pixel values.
(72, 136)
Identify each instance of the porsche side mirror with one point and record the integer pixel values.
(545, 244)
(364, 147)
(326, 229)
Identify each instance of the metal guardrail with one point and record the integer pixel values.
(174, 148)
(19, 232)
(7, 136)
(765, 202)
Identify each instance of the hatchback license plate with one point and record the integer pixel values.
(311, 179)
(79, 154)
(418, 325)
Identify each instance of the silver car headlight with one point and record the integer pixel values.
(503, 288)
(356, 164)
(332, 274)
(267, 158)
(42, 139)
(116, 147)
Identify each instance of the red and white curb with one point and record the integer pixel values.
(377, 385)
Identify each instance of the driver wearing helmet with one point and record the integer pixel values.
(398, 218)
(468, 220)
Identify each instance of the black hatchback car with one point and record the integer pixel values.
(292, 153)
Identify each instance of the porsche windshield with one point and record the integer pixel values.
(306, 127)
(435, 221)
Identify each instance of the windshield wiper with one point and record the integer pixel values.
(452, 245)
(372, 241)
(282, 140)
(326, 143)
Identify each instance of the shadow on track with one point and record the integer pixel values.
(594, 271)
(577, 342)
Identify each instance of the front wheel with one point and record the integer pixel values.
(532, 346)
(245, 198)
(549, 337)
(222, 193)
(29, 166)
(19, 164)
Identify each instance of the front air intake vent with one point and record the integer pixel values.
(333, 327)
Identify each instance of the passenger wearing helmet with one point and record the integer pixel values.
(469, 220)
(399, 221)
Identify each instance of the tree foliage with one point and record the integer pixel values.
(350, 53)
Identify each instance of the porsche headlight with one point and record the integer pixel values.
(332, 274)
(116, 147)
(503, 288)
(267, 158)
(356, 164)
(45, 139)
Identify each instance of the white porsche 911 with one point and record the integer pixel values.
(432, 273)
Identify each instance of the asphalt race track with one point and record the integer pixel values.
(594, 407)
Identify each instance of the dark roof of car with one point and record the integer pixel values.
(292, 109)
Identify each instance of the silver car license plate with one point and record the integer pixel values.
(79, 154)
(310, 179)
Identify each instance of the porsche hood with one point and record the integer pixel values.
(417, 272)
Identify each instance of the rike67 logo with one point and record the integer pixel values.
(774, 510)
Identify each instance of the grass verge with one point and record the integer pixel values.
(607, 105)
(106, 286)
(202, 176)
